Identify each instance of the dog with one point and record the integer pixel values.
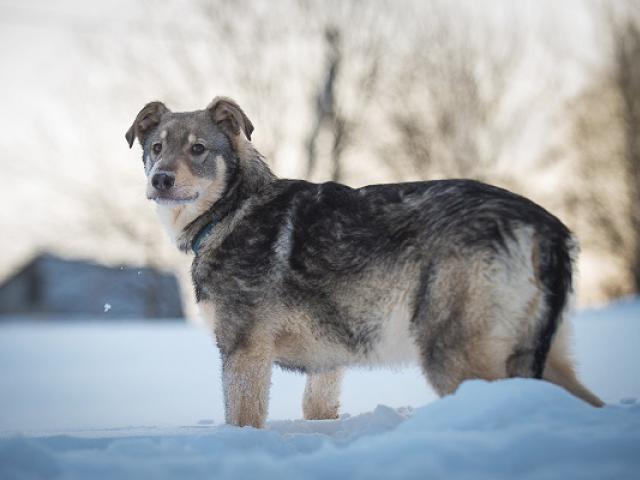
(469, 280)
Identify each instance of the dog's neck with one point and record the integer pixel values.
(226, 195)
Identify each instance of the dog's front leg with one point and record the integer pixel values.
(322, 395)
(246, 377)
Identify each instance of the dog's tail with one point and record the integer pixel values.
(552, 267)
(552, 359)
(555, 273)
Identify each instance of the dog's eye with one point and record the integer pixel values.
(197, 149)
(157, 148)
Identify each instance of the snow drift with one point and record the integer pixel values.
(522, 429)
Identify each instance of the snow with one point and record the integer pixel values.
(143, 401)
(509, 429)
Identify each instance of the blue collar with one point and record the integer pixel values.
(201, 235)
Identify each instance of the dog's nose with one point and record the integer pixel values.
(163, 181)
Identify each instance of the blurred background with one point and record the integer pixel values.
(541, 97)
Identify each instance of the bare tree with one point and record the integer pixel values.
(606, 134)
(625, 34)
(326, 116)
(446, 104)
(355, 37)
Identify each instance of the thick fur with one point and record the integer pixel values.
(467, 279)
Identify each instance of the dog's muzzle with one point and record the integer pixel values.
(163, 181)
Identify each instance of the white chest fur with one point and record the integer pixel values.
(208, 313)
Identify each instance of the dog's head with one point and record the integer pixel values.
(186, 155)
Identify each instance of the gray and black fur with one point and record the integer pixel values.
(470, 280)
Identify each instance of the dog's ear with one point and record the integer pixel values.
(148, 118)
(228, 115)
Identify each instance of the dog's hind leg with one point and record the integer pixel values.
(446, 367)
(450, 327)
(246, 377)
(322, 395)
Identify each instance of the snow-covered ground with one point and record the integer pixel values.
(143, 400)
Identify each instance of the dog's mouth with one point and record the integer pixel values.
(164, 199)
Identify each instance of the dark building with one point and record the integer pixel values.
(55, 287)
